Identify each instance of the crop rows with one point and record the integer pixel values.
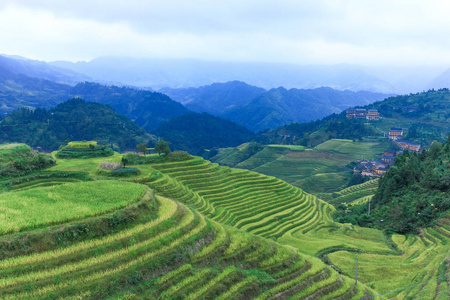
(354, 188)
(421, 263)
(243, 199)
(180, 253)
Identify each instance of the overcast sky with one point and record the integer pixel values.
(375, 32)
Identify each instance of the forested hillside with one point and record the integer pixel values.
(423, 116)
(280, 106)
(147, 109)
(72, 120)
(196, 132)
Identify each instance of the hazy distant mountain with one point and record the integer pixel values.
(148, 109)
(39, 69)
(217, 98)
(280, 106)
(17, 90)
(441, 81)
(184, 73)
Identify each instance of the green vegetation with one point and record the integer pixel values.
(162, 147)
(413, 194)
(20, 159)
(142, 147)
(323, 169)
(73, 120)
(280, 106)
(290, 147)
(260, 205)
(156, 246)
(84, 150)
(423, 116)
(150, 248)
(36, 208)
(82, 144)
(196, 132)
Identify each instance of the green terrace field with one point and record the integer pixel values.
(268, 207)
(321, 169)
(150, 247)
(38, 207)
(198, 230)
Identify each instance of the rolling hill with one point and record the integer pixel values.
(19, 89)
(185, 73)
(324, 168)
(41, 70)
(74, 119)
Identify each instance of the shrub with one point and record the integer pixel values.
(178, 156)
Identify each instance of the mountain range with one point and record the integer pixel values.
(259, 109)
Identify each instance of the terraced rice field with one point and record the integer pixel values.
(256, 203)
(270, 208)
(177, 253)
(421, 266)
(158, 247)
(56, 204)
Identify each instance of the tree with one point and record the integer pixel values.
(124, 161)
(142, 147)
(162, 146)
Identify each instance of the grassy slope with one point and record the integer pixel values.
(316, 170)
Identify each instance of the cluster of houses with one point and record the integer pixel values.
(379, 167)
(368, 114)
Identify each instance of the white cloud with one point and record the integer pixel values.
(325, 31)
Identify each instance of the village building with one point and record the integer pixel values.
(373, 115)
(388, 158)
(395, 133)
(408, 145)
(377, 168)
(351, 113)
(361, 113)
(391, 153)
